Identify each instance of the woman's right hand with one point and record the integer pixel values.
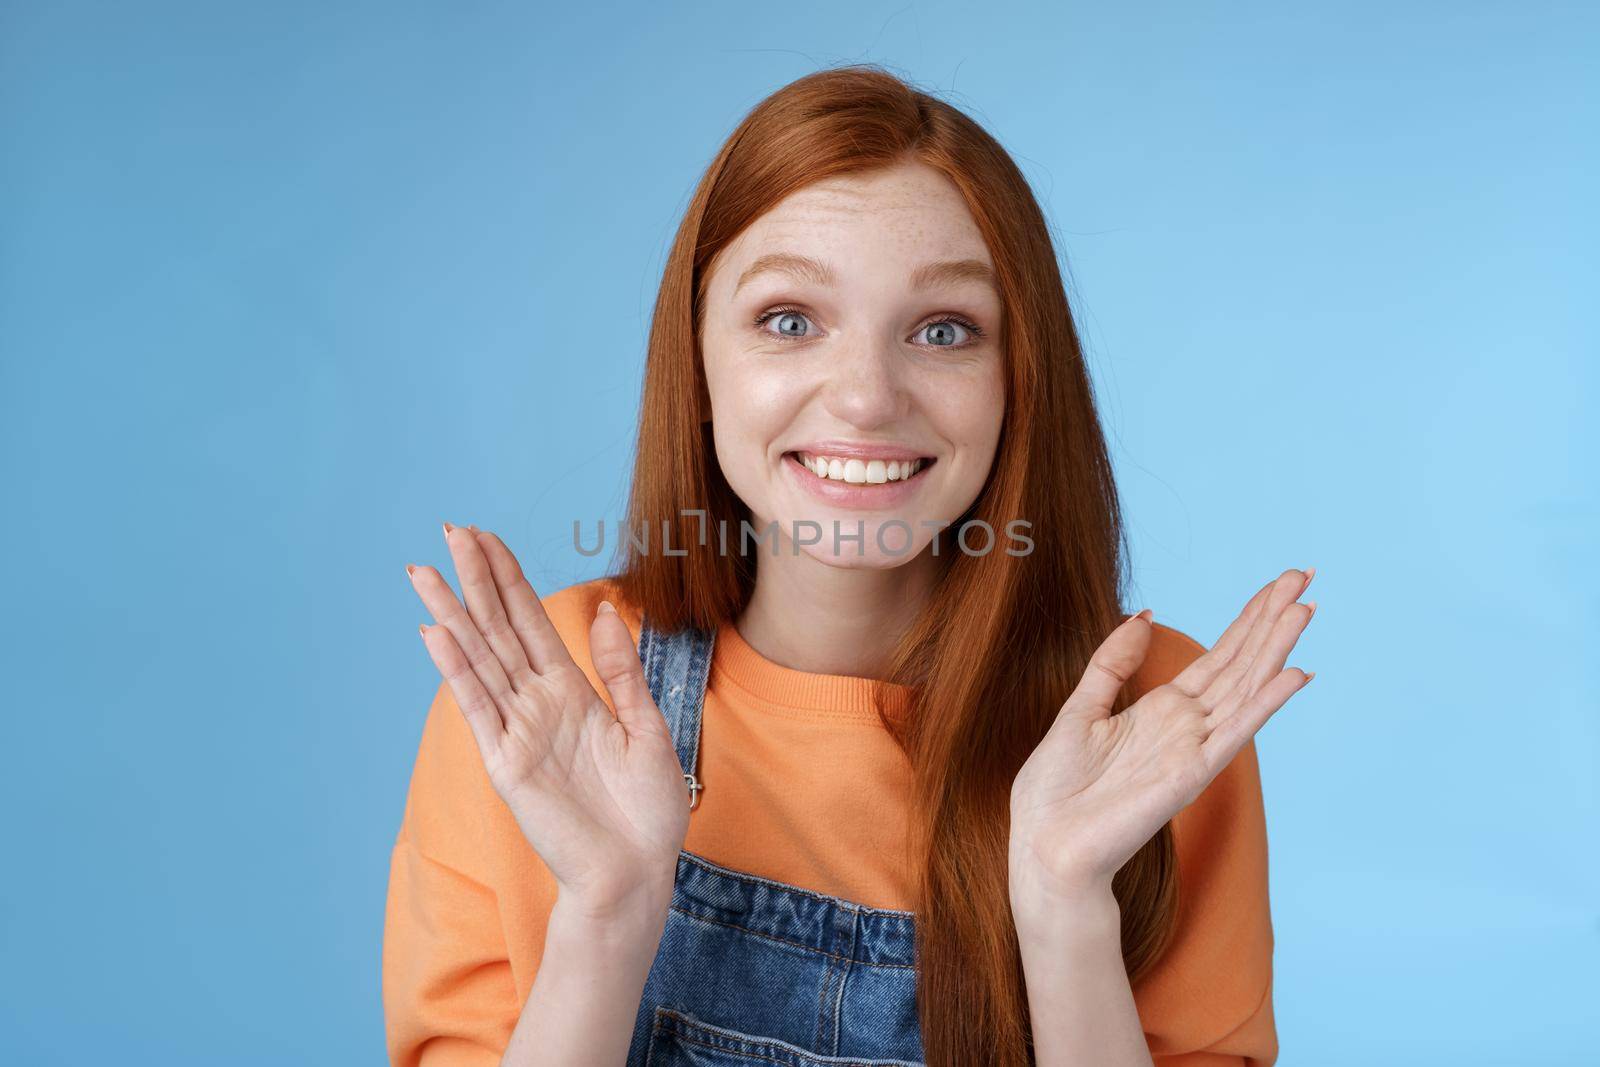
(600, 797)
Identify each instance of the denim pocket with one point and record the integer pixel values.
(679, 1040)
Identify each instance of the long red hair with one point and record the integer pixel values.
(976, 716)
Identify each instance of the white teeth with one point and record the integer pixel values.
(861, 472)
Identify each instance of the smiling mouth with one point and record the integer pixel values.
(862, 472)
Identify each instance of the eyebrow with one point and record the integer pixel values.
(806, 269)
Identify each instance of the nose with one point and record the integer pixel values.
(866, 386)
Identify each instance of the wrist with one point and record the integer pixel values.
(614, 920)
(1059, 937)
(1077, 904)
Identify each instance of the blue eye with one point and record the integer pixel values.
(943, 334)
(791, 323)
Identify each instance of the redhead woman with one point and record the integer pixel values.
(856, 757)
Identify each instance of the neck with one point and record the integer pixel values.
(809, 616)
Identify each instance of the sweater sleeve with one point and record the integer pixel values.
(1208, 1001)
(469, 899)
(448, 992)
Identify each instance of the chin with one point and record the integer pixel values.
(870, 559)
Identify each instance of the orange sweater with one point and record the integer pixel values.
(785, 757)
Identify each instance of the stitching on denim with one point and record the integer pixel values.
(844, 978)
(650, 1046)
(679, 651)
(688, 1040)
(756, 879)
(691, 697)
(740, 1044)
(661, 654)
(648, 647)
(819, 1034)
(700, 656)
(765, 935)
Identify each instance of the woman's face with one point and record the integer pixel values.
(852, 345)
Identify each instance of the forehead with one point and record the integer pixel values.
(908, 212)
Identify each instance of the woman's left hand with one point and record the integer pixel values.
(1099, 785)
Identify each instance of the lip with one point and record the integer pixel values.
(860, 450)
(865, 496)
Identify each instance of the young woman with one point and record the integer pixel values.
(862, 762)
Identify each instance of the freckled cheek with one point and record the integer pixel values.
(967, 415)
(755, 410)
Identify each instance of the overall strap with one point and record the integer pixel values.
(676, 666)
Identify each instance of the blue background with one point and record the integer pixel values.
(284, 286)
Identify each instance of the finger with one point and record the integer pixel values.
(477, 706)
(1196, 676)
(1231, 733)
(1268, 662)
(540, 640)
(616, 661)
(484, 604)
(1112, 664)
(1275, 651)
(442, 604)
(1285, 590)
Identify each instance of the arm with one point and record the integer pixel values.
(586, 995)
(448, 993)
(1079, 999)
(1098, 786)
(1207, 1002)
(596, 791)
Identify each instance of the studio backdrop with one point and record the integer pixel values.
(284, 286)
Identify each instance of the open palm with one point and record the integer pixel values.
(1098, 786)
(600, 797)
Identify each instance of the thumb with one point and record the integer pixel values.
(1112, 664)
(616, 661)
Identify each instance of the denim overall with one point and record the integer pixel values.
(755, 972)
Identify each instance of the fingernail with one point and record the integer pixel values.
(1311, 572)
(1312, 604)
(422, 628)
(410, 568)
(1310, 676)
(605, 605)
(471, 527)
(447, 529)
(1146, 614)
